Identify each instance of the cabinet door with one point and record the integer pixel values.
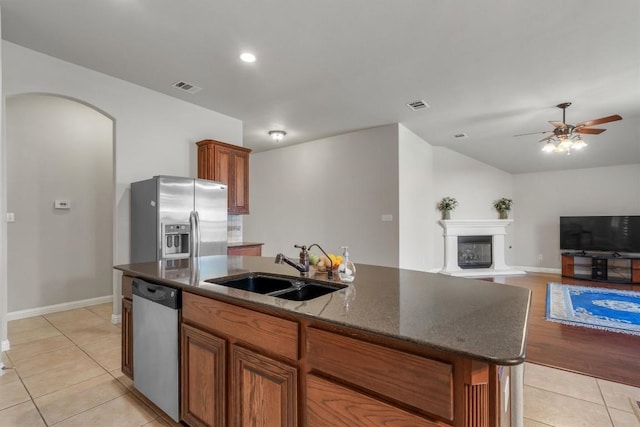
(240, 169)
(127, 338)
(635, 271)
(263, 391)
(567, 266)
(202, 378)
(221, 170)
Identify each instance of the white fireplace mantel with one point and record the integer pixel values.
(497, 228)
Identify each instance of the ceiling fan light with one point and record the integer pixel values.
(579, 144)
(565, 144)
(549, 147)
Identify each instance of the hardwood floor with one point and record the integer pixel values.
(601, 354)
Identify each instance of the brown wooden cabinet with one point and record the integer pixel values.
(244, 365)
(126, 364)
(252, 250)
(203, 378)
(601, 268)
(263, 390)
(330, 404)
(222, 162)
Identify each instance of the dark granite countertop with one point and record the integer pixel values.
(474, 318)
(241, 244)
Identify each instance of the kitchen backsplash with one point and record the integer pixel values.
(234, 228)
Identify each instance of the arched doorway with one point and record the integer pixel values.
(60, 186)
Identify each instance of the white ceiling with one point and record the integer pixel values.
(491, 69)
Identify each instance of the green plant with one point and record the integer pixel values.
(503, 205)
(447, 204)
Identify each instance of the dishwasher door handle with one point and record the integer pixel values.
(157, 293)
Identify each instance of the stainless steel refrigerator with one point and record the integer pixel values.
(173, 217)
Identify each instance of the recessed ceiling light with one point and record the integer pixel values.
(248, 57)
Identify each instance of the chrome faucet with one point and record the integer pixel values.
(330, 268)
(302, 266)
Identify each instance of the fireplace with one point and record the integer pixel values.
(475, 247)
(474, 252)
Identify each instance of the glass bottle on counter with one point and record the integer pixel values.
(346, 270)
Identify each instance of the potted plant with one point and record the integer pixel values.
(503, 206)
(446, 205)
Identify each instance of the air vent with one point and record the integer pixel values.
(187, 87)
(418, 105)
(460, 135)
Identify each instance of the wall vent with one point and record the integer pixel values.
(418, 105)
(187, 87)
(460, 135)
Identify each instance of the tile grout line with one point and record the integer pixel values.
(569, 396)
(33, 402)
(127, 391)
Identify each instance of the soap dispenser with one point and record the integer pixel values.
(346, 270)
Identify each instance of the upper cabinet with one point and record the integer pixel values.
(229, 164)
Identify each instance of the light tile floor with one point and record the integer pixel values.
(63, 369)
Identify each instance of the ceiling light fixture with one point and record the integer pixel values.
(248, 57)
(277, 135)
(564, 143)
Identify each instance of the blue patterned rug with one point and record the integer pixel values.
(608, 309)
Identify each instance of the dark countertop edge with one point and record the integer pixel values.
(512, 361)
(242, 244)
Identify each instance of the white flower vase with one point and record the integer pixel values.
(446, 214)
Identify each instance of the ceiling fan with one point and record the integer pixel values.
(566, 137)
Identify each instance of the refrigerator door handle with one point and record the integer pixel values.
(197, 232)
(192, 234)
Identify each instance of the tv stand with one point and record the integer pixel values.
(613, 268)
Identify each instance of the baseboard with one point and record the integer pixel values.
(541, 270)
(39, 311)
(5, 345)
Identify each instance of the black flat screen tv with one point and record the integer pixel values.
(600, 233)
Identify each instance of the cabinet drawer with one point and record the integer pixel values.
(329, 404)
(255, 250)
(419, 382)
(270, 333)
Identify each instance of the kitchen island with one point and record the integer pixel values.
(395, 347)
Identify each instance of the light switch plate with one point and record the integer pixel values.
(62, 204)
(387, 217)
(11, 217)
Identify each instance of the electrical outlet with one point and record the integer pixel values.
(539, 257)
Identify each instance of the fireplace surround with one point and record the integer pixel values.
(494, 229)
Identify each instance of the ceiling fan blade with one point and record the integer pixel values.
(562, 125)
(548, 138)
(590, 131)
(534, 133)
(599, 121)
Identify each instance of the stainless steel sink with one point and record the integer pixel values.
(290, 288)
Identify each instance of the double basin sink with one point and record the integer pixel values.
(289, 288)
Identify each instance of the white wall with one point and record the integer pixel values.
(59, 149)
(4, 342)
(415, 168)
(543, 197)
(154, 134)
(475, 185)
(331, 191)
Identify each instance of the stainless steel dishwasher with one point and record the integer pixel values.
(155, 344)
